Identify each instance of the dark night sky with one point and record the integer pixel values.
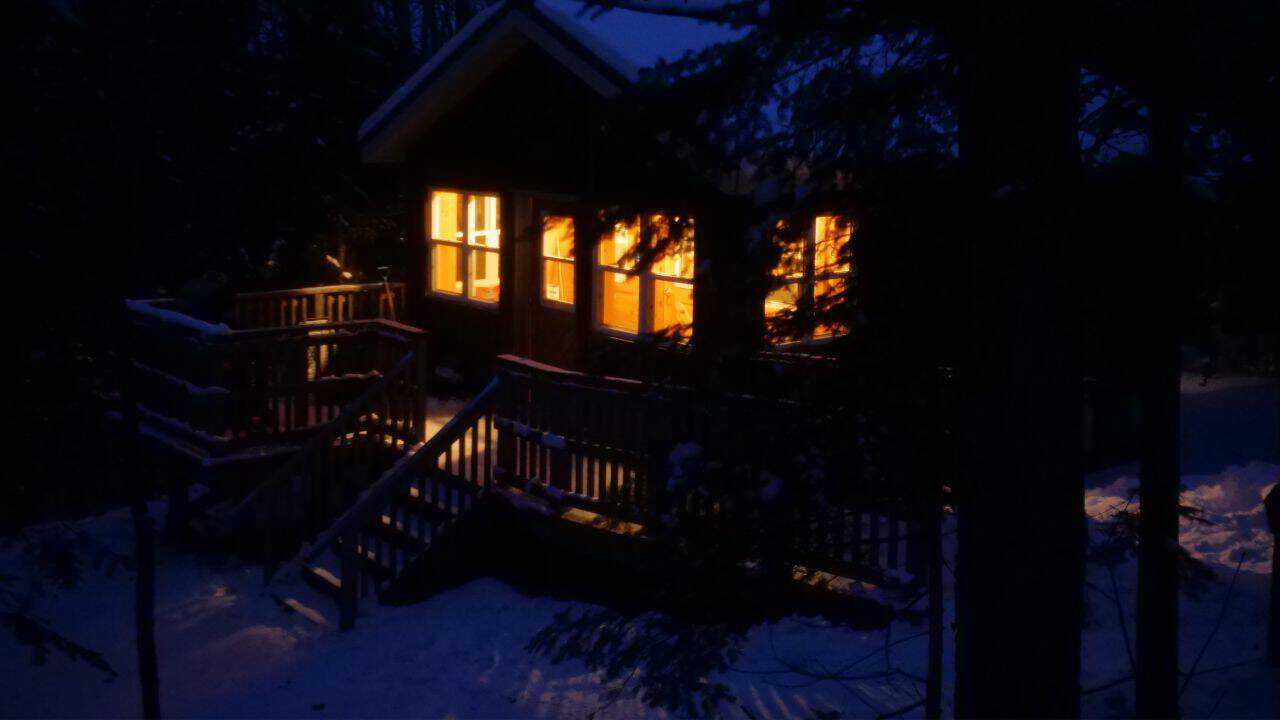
(644, 39)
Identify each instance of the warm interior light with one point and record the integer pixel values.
(465, 236)
(815, 268)
(620, 290)
(446, 220)
(658, 299)
(831, 243)
(557, 253)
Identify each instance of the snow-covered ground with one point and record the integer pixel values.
(228, 650)
(1230, 461)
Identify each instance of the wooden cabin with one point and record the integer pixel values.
(588, 294)
(508, 143)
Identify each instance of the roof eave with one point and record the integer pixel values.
(477, 50)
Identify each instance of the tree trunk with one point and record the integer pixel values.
(1021, 526)
(1273, 625)
(128, 34)
(145, 543)
(1156, 646)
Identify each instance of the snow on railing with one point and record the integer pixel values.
(173, 317)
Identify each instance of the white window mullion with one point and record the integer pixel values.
(466, 245)
(642, 279)
(809, 287)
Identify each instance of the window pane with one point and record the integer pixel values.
(779, 312)
(827, 296)
(676, 261)
(620, 301)
(615, 245)
(673, 308)
(557, 237)
(831, 243)
(784, 299)
(446, 216)
(557, 280)
(482, 212)
(446, 268)
(791, 261)
(485, 275)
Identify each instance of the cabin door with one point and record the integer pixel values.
(551, 299)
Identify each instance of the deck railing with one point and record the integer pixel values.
(218, 392)
(618, 448)
(329, 303)
(660, 455)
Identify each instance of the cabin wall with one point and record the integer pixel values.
(528, 128)
(533, 133)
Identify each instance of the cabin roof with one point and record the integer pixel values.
(606, 49)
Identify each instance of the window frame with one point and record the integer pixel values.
(647, 280)
(809, 279)
(465, 246)
(572, 262)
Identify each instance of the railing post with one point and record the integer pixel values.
(270, 550)
(221, 418)
(420, 388)
(349, 598)
(506, 439)
(658, 441)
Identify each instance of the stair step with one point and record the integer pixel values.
(414, 503)
(368, 562)
(379, 571)
(323, 580)
(296, 606)
(398, 536)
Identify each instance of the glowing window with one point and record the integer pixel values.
(672, 300)
(557, 259)
(619, 288)
(465, 239)
(658, 299)
(446, 269)
(812, 275)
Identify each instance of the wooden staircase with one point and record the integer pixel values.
(585, 458)
(415, 523)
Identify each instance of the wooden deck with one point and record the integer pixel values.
(219, 393)
(376, 489)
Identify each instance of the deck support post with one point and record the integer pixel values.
(506, 441)
(420, 389)
(349, 596)
(1272, 506)
(179, 510)
(270, 549)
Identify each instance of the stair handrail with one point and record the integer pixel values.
(328, 433)
(381, 492)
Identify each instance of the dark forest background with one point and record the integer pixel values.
(229, 129)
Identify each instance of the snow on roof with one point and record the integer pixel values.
(618, 42)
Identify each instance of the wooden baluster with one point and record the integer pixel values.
(590, 416)
(474, 476)
(488, 450)
(506, 452)
(420, 379)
